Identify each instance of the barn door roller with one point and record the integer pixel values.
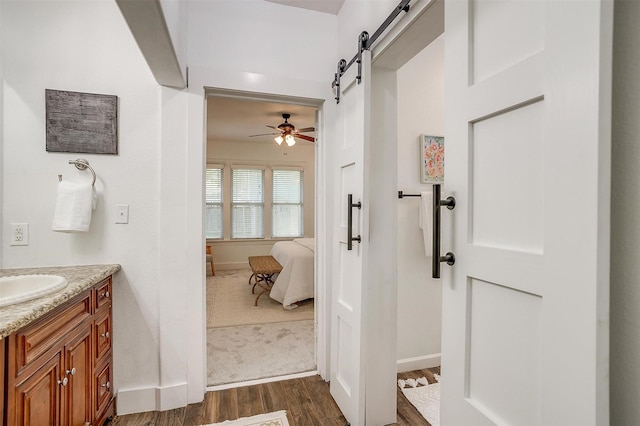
(364, 43)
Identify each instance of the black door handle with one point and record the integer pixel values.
(350, 206)
(450, 258)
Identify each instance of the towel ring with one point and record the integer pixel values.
(82, 164)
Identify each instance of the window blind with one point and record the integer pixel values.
(213, 203)
(247, 203)
(287, 203)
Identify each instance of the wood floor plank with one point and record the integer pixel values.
(170, 417)
(200, 413)
(273, 398)
(225, 405)
(323, 402)
(298, 402)
(250, 401)
(139, 419)
(333, 421)
(307, 401)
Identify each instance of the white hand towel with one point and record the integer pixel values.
(426, 220)
(74, 207)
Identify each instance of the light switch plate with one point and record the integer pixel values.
(122, 213)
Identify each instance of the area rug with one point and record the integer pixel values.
(278, 418)
(424, 396)
(249, 352)
(230, 302)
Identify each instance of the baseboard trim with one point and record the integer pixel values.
(261, 381)
(131, 401)
(418, 363)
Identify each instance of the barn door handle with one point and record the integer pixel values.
(450, 258)
(350, 206)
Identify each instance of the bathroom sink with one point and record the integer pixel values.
(20, 288)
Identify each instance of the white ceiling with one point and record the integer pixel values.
(232, 119)
(326, 6)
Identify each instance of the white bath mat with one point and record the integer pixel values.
(425, 397)
(277, 418)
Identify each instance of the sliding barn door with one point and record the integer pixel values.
(525, 313)
(347, 375)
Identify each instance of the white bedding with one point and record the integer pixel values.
(295, 282)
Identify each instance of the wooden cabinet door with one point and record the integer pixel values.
(76, 405)
(2, 373)
(37, 399)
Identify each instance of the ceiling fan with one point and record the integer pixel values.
(287, 132)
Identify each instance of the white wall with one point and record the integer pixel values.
(86, 46)
(420, 111)
(1, 135)
(260, 37)
(625, 221)
(232, 254)
(356, 16)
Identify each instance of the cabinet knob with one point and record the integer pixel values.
(105, 294)
(72, 371)
(105, 335)
(63, 382)
(106, 385)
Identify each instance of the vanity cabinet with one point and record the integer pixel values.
(2, 352)
(54, 364)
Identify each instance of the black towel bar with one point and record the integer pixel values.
(402, 195)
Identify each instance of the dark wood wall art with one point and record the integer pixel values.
(81, 122)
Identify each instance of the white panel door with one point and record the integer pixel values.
(525, 307)
(347, 343)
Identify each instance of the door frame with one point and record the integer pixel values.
(203, 81)
(319, 343)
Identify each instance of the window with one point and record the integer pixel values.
(286, 205)
(247, 203)
(213, 203)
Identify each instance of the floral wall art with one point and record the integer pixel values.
(432, 159)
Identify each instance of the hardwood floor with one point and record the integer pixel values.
(307, 401)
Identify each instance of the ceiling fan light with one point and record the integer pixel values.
(290, 140)
(279, 140)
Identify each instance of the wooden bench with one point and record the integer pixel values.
(263, 268)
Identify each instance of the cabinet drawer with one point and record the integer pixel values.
(103, 391)
(38, 337)
(102, 334)
(102, 294)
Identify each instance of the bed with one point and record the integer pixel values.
(295, 282)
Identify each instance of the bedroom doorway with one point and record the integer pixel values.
(259, 194)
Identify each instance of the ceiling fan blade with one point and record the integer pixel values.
(307, 129)
(264, 134)
(272, 127)
(305, 137)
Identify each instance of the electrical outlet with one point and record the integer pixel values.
(19, 234)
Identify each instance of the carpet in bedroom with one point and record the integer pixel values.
(230, 302)
(249, 352)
